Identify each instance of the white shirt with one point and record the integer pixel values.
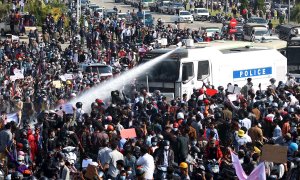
(79, 113)
(246, 123)
(114, 156)
(243, 140)
(103, 155)
(147, 163)
(166, 154)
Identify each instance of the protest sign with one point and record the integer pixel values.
(68, 76)
(68, 108)
(274, 153)
(234, 89)
(56, 84)
(16, 76)
(12, 117)
(62, 78)
(232, 97)
(128, 133)
(211, 92)
(86, 162)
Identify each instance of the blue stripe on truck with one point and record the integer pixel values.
(245, 73)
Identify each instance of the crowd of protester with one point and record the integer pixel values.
(185, 138)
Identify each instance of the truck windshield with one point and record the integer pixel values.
(260, 32)
(99, 69)
(164, 71)
(185, 13)
(202, 11)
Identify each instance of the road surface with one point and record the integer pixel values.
(109, 4)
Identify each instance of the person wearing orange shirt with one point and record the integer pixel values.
(286, 126)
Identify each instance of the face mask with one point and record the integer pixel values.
(194, 143)
(167, 147)
(154, 143)
(122, 177)
(61, 163)
(175, 129)
(129, 172)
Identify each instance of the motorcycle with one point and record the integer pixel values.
(213, 166)
(161, 172)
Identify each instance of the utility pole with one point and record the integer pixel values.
(77, 13)
(289, 15)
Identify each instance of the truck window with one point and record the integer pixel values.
(203, 70)
(187, 71)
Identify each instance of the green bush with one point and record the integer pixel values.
(295, 14)
(4, 9)
(40, 10)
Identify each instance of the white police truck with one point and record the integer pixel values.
(218, 65)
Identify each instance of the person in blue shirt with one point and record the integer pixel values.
(210, 129)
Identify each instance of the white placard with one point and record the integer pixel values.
(12, 117)
(68, 76)
(232, 97)
(68, 108)
(86, 162)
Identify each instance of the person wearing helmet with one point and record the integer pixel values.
(164, 155)
(94, 106)
(79, 113)
(154, 144)
(273, 81)
(193, 101)
(100, 106)
(184, 172)
(293, 147)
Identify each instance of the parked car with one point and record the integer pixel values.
(100, 12)
(127, 2)
(174, 6)
(93, 7)
(110, 13)
(184, 16)
(163, 6)
(146, 19)
(103, 71)
(122, 16)
(258, 20)
(147, 3)
(211, 31)
(201, 14)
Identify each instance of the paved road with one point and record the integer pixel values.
(109, 4)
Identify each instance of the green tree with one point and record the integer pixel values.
(244, 4)
(295, 14)
(259, 5)
(4, 9)
(40, 10)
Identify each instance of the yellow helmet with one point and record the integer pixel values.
(183, 165)
(68, 82)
